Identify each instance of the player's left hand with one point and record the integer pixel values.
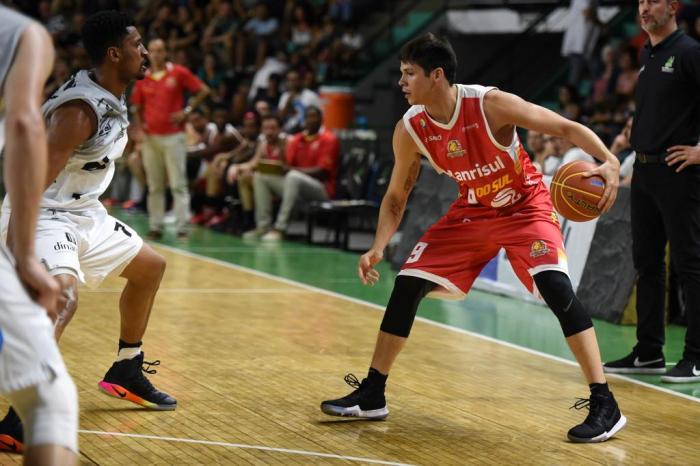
(610, 172)
(689, 155)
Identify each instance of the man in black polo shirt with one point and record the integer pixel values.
(665, 192)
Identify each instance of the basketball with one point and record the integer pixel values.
(575, 197)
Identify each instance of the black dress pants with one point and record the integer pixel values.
(665, 206)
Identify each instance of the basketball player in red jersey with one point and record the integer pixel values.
(468, 133)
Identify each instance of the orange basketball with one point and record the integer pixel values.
(574, 196)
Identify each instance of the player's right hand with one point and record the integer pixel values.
(365, 267)
(42, 287)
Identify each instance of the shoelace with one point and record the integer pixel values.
(351, 380)
(582, 403)
(148, 369)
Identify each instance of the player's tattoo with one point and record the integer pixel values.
(413, 172)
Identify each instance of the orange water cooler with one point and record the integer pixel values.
(338, 106)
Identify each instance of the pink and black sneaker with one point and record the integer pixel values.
(125, 380)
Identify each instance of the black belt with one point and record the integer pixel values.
(650, 158)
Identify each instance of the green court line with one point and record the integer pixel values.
(503, 318)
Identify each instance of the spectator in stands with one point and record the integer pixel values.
(262, 108)
(340, 11)
(237, 178)
(552, 156)
(604, 85)
(571, 153)
(301, 34)
(535, 146)
(258, 31)
(219, 33)
(569, 102)
(688, 19)
(622, 148)
(209, 72)
(310, 175)
(629, 71)
(185, 31)
(580, 37)
(158, 102)
(295, 101)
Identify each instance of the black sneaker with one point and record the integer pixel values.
(633, 364)
(685, 371)
(11, 433)
(603, 421)
(125, 380)
(365, 402)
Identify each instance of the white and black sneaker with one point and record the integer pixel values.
(365, 402)
(685, 371)
(603, 421)
(634, 364)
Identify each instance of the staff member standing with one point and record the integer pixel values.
(158, 102)
(665, 190)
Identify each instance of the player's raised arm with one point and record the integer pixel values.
(504, 110)
(403, 178)
(70, 125)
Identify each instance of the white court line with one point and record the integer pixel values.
(207, 290)
(243, 446)
(422, 319)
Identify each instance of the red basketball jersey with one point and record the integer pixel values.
(490, 175)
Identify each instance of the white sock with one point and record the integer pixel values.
(128, 353)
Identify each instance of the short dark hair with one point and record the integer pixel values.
(272, 117)
(102, 30)
(313, 108)
(430, 52)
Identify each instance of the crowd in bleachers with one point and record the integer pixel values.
(264, 61)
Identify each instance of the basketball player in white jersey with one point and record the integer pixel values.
(76, 239)
(32, 374)
(468, 133)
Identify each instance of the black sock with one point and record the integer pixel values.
(123, 344)
(599, 389)
(376, 378)
(12, 416)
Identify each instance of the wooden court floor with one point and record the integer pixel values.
(249, 359)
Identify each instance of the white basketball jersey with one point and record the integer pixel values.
(90, 169)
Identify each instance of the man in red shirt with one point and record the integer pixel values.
(158, 102)
(312, 160)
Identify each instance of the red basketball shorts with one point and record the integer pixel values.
(454, 250)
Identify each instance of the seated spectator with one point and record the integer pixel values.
(295, 101)
(629, 71)
(552, 155)
(301, 34)
(622, 148)
(571, 153)
(604, 85)
(262, 108)
(535, 145)
(209, 72)
(260, 30)
(268, 164)
(218, 34)
(185, 32)
(308, 175)
(569, 102)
